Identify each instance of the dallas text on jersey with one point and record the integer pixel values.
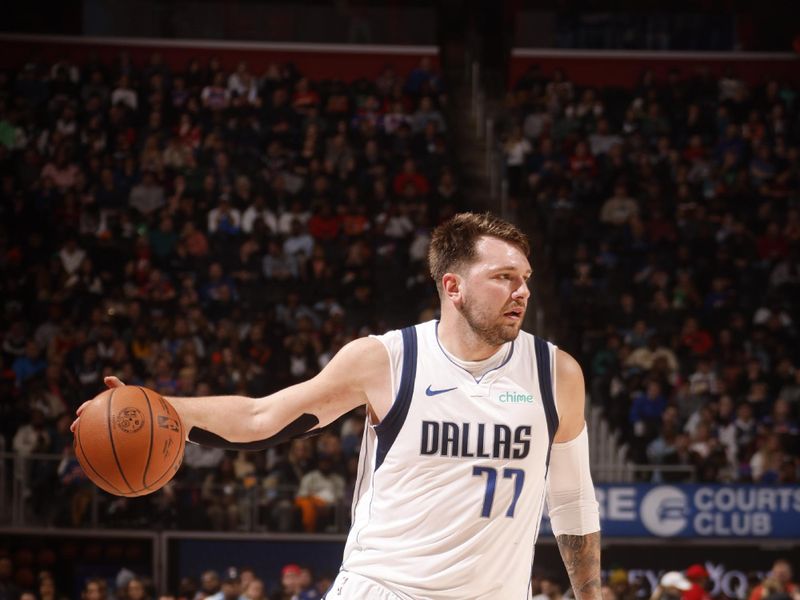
(470, 440)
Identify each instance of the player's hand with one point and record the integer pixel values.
(111, 382)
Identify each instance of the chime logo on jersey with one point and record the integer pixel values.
(515, 398)
(474, 440)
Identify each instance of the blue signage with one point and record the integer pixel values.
(698, 511)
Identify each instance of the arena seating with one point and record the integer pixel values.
(213, 230)
(673, 230)
(207, 230)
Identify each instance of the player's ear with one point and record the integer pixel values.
(451, 286)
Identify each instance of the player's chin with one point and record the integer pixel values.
(510, 329)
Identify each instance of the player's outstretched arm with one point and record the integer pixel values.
(356, 373)
(571, 500)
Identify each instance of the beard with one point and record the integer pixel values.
(489, 329)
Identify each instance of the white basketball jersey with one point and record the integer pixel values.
(451, 483)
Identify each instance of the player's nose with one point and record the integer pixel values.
(522, 292)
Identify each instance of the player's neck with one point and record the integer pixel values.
(456, 336)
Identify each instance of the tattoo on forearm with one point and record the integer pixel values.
(581, 556)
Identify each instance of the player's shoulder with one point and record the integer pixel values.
(377, 348)
(393, 339)
(567, 368)
(357, 363)
(360, 349)
(570, 396)
(527, 345)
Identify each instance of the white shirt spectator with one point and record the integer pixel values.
(285, 221)
(253, 212)
(66, 127)
(299, 243)
(396, 226)
(703, 383)
(727, 437)
(786, 272)
(602, 143)
(147, 197)
(243, 87)
(28, 440)
(729, 88)
(280, 266)
(644, 357)
(516, 151)
(534, 124)
(220, 212)
(328, 488)
(126, 96)
(418, 250)
(393, 120)
(765, 314)
(71, 257)
(45, 333)
(202, 457)
(618, 210)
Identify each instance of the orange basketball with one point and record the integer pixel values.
(129, 441)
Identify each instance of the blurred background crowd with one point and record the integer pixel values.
(207, 231)
(299, 582)
(214, 230)
(672, 214)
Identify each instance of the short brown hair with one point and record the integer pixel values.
(453, 242)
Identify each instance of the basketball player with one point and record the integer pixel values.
(472, 423)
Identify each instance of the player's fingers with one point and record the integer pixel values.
(113, 382)
(82, 407)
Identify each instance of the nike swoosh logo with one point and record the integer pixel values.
(430, 392)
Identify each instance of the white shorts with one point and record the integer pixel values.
(350, 586)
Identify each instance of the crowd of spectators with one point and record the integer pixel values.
(696, 583)
(212, 230)
(291, 582)
(199, 230)
(671, 216)
(300, 582)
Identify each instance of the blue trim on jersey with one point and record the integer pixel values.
(536, 538)
(546, 390)
(361, 472)
(388, 429)
(477, 379)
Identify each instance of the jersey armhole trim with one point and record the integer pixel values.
(544, 366)
(391, 379)
(554, 358)
(389, 428)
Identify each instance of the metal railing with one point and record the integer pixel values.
(30, 476)
(630, 473)
(37, 498)
(485, 130)
(496, 169)
(610, 460)
(3, 475)
(193, 503)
